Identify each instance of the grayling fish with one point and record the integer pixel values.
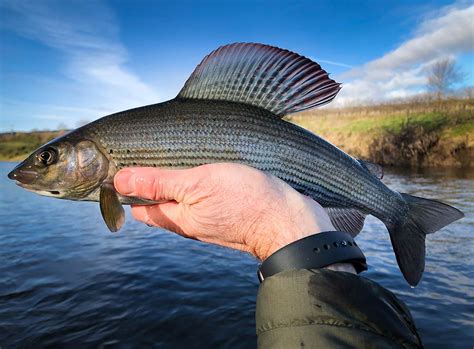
(230, 110)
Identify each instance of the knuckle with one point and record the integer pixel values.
(155, 187)
(148, 187)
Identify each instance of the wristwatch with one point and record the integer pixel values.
(314, 252)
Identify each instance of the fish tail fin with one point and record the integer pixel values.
(408, 235)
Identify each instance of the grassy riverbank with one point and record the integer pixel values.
(416, 135)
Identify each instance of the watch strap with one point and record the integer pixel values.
(314, 252)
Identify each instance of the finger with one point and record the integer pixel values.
(166, 215)
(140, 213)
(160, 184)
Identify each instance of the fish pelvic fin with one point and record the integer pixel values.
(111, 208)
(408, 236)
(268, 77)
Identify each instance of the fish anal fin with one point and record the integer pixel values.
(375, 169)
(268, 77)
(111, 208)
(350, 220)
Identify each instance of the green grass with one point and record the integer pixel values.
(461, 130)
(457, 125)
(429, 121)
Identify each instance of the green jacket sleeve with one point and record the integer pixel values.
(331, 309)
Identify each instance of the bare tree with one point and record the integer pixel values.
(442, 75)
(467, 92)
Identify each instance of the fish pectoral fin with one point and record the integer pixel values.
(375, 169)
(132, 200)
(264, 76)
(111, 208)
(346, 219)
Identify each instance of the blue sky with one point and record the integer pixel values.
(67, 62)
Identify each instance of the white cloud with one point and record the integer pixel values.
(87, 35)
(402, 72)
(337, 64)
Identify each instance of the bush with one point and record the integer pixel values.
(408, 146)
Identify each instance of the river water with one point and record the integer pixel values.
(65, 281)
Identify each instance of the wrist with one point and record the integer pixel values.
(309, 219)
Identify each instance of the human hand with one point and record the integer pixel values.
(226, 204)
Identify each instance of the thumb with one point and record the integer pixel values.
(158, 184)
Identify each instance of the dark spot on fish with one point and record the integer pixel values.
(134, 163)
(128, 151)
(154, 165)
(327, 247)
(111, 151)
(54, 192)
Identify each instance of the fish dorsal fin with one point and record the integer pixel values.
(111, 208)
(346, 219)
(375, 169)
(278, 80)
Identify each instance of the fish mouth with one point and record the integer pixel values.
(26, 178)
(23, 176)
(53, 193)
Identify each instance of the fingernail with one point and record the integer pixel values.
(125, 181)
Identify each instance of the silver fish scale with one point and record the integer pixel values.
(187, 133)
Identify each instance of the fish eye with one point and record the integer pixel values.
(47, 156)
